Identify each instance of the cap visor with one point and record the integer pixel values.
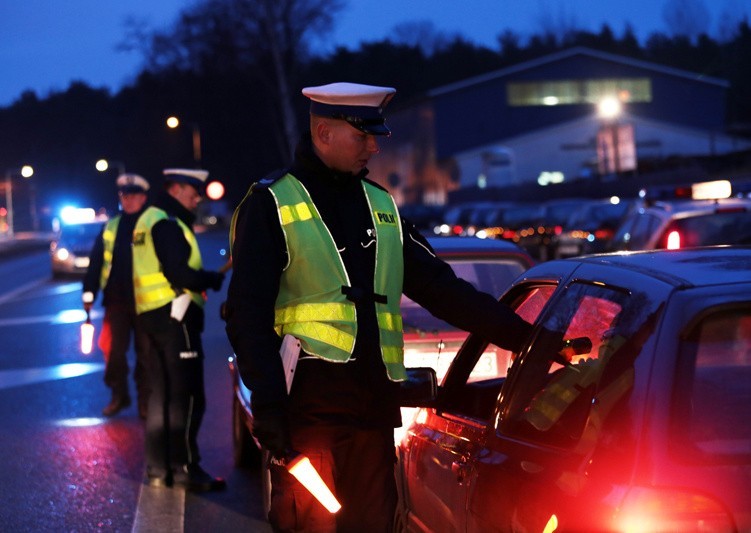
(372, 129)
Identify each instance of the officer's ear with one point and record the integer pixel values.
(322, 131)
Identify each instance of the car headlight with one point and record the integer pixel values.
(61, 254)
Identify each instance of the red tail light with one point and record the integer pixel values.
(603, 234)
(673, 241)
(651, 510)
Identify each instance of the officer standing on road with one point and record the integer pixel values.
(321, 252)
(111, 271)
(169, 282)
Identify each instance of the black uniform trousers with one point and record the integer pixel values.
(121, 321)
(357, 464)
(177, 402)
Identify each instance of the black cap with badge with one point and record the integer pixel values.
(359, 105)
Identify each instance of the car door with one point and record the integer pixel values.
(565, 434)
(439, 450)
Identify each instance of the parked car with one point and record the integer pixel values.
(489, 265)
(591, 227)
(713, 219)
(541, 242)
(71, 248)
(644, 426)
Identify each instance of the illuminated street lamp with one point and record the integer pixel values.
(173, 123)
(26, 171)
(103, 165)
(616, 149)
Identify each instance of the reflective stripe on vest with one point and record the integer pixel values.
(310, 304)
(152, 289)
(108, 240)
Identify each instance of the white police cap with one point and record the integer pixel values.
(131, 183)
(195, 177)
(360, 105)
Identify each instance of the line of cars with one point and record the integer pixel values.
(698, 214)
(546, 230)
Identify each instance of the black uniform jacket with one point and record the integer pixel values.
(119, 289)
(359, 391)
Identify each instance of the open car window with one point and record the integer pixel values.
(565, 403)
(472, 388)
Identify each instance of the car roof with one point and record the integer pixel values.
(701, 266)
(473, 245)
(448, 245)
(680, 207)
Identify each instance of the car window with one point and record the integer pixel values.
(493, 276)
(730, 227)
(714, 394)
(80, 234)
(636, 233)
(472, 389)
(565, 403)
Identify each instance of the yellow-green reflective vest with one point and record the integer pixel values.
(152, 289)
(108, 240)
(311, 304)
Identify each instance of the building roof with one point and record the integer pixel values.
(571, 52)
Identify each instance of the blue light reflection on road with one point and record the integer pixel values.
(28, 376)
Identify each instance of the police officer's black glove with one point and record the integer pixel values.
(272, 431)
(217, 278)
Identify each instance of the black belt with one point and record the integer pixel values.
(356, 294)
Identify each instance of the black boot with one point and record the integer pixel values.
(196, 479)
(117, 404)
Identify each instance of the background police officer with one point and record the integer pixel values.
(111, 271)
(321, 253)
(169, 280)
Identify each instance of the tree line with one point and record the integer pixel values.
(232, 71)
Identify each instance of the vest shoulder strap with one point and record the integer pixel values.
(374, 184)
(268, 180)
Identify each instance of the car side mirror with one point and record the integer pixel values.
(420, 389)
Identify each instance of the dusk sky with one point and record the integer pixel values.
(46, 44)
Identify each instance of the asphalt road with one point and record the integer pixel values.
(64, 467)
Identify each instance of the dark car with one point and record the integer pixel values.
(680, 224)
(591, 227)
(489, 265)
(540, 241)
(641, 425)
(71, 248)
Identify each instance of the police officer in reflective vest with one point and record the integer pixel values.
(321, 253)
(169, 282)
(111, 271)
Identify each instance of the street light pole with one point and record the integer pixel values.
(173, 122)
(26, 171)
(104, 164)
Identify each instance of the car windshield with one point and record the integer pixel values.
(595, 215)
(80, 234)
(488, 275)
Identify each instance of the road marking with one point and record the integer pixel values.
(27, 376)
(160, 509)
(67, 316)
(23, 288)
